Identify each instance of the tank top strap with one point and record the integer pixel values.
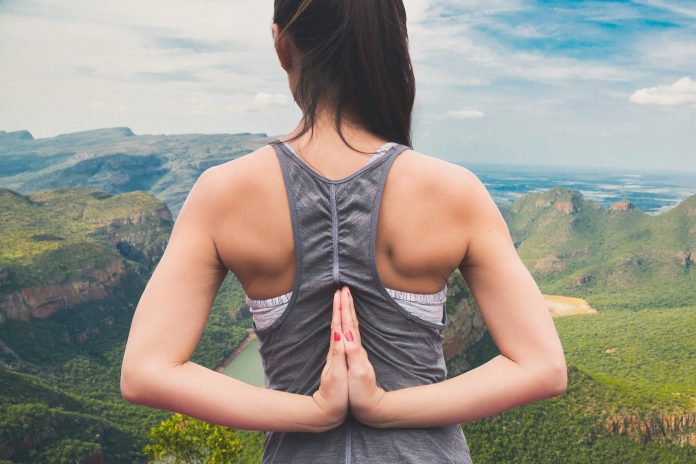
(385, 151)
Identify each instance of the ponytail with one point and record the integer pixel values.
(355, 60)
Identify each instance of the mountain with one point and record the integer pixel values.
(73, 264)
(68, 246)
(115, 160)
(614, 257)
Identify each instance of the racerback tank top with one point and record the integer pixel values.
(334, 227)
(429, 306)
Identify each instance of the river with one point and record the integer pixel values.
(245, 363)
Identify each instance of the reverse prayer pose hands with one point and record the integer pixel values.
(332, 395)
(348, 381)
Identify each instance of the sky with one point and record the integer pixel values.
(561, 83)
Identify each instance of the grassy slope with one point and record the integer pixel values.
(627, 259)
(59, 396)
(650, 375)
(49, 236)
(74, 393)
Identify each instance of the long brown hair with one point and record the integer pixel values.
(355, 60)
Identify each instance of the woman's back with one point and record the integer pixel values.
(384, 225)
(420, 232)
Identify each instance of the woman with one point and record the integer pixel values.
(344, 268)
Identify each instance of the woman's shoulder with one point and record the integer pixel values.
(434, 166)
(248, 173)
(227, 187)
(455, 184)
(420, 173)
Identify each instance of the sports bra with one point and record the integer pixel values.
(428, 306)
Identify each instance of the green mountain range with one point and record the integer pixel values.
(74, 262)
(614, 257)
(115, 160)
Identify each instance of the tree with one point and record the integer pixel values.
(181, 439)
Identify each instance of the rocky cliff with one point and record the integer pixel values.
(70, 246)
(679, 429)
(45, 298)
(465, 331)
(616, 256)
(115, 160)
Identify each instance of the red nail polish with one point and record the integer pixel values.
(349, 336)
(337, 336)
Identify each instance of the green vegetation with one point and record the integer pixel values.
(651, 351)
(60, 399)
(184, 440)
(613, 258)
(568, 429)
(650, 378)
(631, 365)
(66, 397)
(115, 160)
(71, 234)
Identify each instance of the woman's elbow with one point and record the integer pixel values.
(557, 376)
(550, 377)
(137, 381)
(128, 383)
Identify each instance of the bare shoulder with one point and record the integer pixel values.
(246, 171)
(242, 177)
(458, 194)
(455, 186)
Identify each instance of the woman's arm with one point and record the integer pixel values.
(167, 326)
(531, 365)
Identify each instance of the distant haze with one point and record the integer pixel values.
(564, 83)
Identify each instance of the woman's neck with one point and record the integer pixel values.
(324, 140)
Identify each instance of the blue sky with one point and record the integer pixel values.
(571, 83)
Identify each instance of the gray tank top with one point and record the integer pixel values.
(334, 225)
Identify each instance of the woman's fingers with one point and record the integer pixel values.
(332, 395)
(353, 347)
(336, 348)
(348, 317)
(354, 316)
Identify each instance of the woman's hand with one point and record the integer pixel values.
(364, 394)
(332, 395)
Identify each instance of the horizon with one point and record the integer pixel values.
(524, 166)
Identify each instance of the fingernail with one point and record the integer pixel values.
(337, 336)
(349, 336)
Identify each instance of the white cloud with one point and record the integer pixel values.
(263, 99)
(465, 113)
(671, 6)
(156, 66)
(165, 66)
(446, 42)
(666, 51)
(681, 92)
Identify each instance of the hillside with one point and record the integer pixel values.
(60, 248)
(115, 160)
(73, 264)
(613, 257)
